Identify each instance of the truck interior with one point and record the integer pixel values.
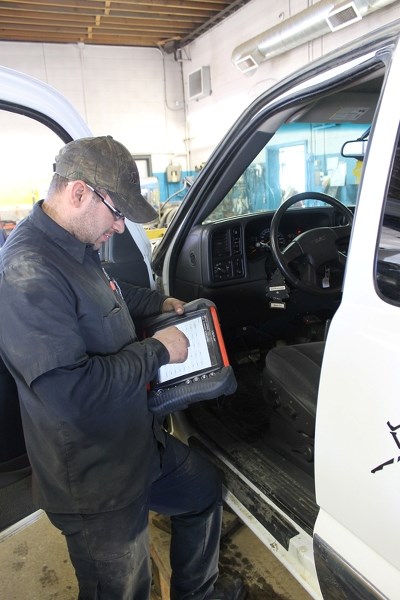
(267, 243)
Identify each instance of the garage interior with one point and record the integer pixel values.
(127, 67)
(153, 74)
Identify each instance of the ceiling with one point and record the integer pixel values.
(170, 24)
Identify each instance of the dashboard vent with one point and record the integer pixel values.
(220, 244)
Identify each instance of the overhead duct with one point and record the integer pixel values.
(313, 22)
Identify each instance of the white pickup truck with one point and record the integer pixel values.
(293, 230)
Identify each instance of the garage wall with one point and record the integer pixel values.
(137, 94)
(209, 118)
(134, 94)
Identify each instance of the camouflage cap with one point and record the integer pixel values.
(106, 164)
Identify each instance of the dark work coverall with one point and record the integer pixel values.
(100, 460)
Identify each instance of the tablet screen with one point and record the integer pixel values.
(203, 352)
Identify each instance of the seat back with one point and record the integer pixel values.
(123, 260)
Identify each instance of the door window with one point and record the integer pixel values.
(27, 152)
(388, 253)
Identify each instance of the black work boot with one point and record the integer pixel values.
(229, 588)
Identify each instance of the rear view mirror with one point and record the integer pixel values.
(356, 148)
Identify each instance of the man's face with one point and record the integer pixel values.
(98, 222)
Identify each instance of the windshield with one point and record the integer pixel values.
(300, 157)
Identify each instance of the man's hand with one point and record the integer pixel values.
(176, 343)
(173, 304)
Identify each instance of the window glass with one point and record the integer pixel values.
(300, 157)
(388, 253)
(27, 152)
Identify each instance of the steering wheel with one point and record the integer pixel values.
(315, 251)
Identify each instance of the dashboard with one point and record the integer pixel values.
(259, 243)
(230, 262)
(235, 246)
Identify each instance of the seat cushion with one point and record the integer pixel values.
(295, 372)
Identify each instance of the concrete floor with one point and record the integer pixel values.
(34, 565)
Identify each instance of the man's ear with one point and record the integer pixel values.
(76, 195)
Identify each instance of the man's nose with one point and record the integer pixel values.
(119, 226)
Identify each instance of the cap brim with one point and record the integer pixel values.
(136, 209)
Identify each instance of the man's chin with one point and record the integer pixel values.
(100, 241)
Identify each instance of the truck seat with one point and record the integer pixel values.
(290, 389)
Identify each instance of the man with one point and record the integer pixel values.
(3, 235)
(100, 460)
